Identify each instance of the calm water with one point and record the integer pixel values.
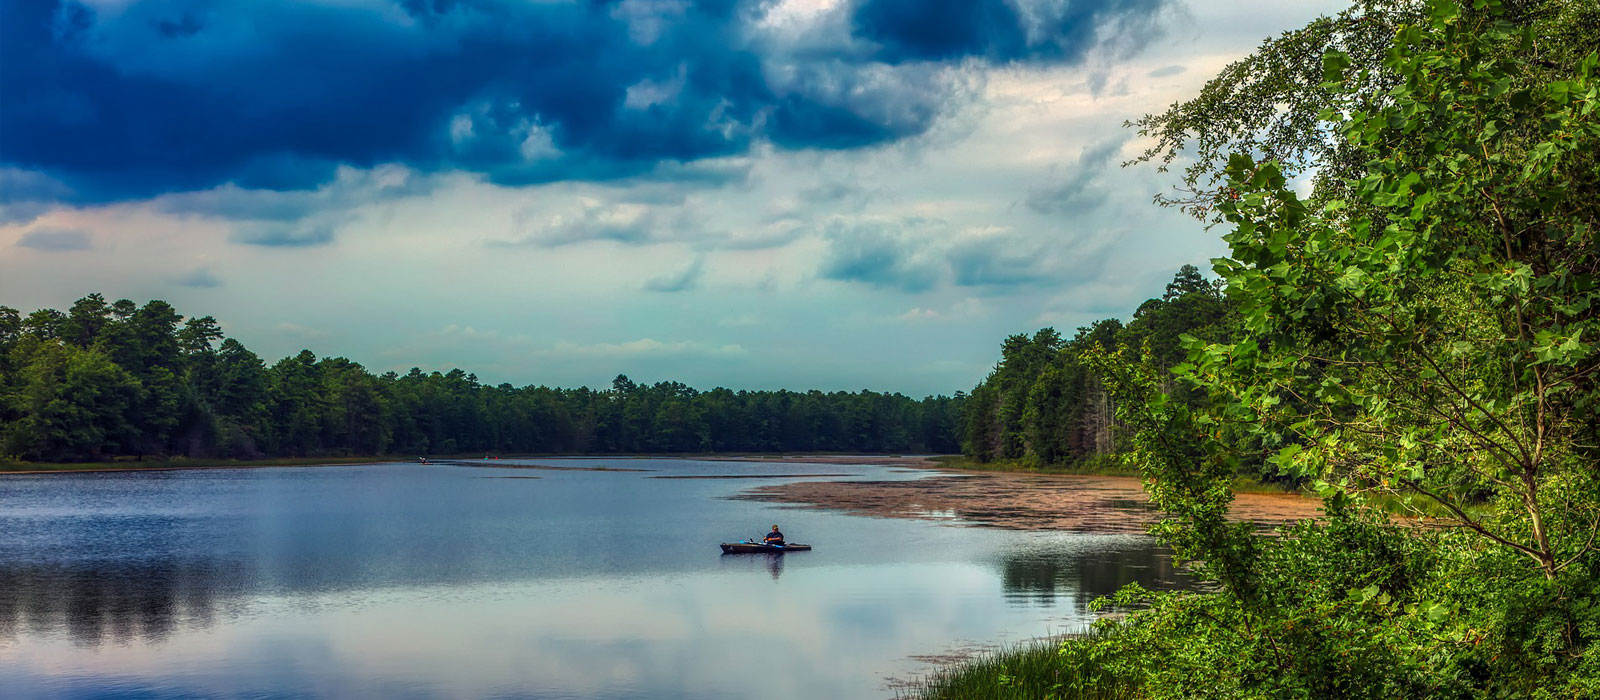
(408, 581)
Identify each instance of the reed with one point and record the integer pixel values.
(1060, 669)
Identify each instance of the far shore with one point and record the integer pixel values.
(35, 468)
(1001, 495)
(177, 464)
(1006, 496)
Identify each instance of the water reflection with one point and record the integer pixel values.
(1050, 571)
(401, 581)
(117, 602)
(772, 562)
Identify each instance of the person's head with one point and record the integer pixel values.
(774, 528)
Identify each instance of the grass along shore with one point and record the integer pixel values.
(1061, 669)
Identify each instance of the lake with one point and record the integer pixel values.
(587, 581)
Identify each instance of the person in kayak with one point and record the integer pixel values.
(774, 537)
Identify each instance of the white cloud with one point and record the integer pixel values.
(967, 308)
(647, 93)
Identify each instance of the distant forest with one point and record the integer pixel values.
(1043, 405)
(116, 380)
(106, 380)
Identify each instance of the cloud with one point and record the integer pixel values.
(687, 279)
(55, 240)
(283, 235)
(23, 212)
(918, 314)
(149, 97)
(200, 278)
(932, 30)
(350, 188)
(882, 253)
(1000, 31)
(966, 308)
(24, 195)
(915, 255)
(998, 263)
(643, 216)
(625, 222)
(1166, 71)
(1081, 189)
(277, 95)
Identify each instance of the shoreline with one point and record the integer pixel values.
(984, 497)
(1000, 497)
(38, 468)
(1084, 503)
(169, 467)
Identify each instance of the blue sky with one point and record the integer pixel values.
(835, 194)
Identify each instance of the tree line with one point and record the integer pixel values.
(1045, 405)
(107, 380)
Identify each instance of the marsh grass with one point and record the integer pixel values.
(1058, 669)
(1418, 506)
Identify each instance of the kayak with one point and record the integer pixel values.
(762, 548)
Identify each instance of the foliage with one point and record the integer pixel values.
(1268, 104)
(1437, 338)
(1043, 405)
(1424, 330)
(1418, 331)
(1072, 669)
(107, 380)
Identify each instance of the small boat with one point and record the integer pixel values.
(743, 547)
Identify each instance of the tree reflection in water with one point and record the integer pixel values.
(100, 602)
(1047, 571)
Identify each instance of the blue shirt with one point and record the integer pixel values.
(775, 537)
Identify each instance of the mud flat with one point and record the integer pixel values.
(875, 460)
(1099, 504)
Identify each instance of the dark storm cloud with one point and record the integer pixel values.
(161, 96)
(277, 95)
(932, 30)
(1001, 31)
